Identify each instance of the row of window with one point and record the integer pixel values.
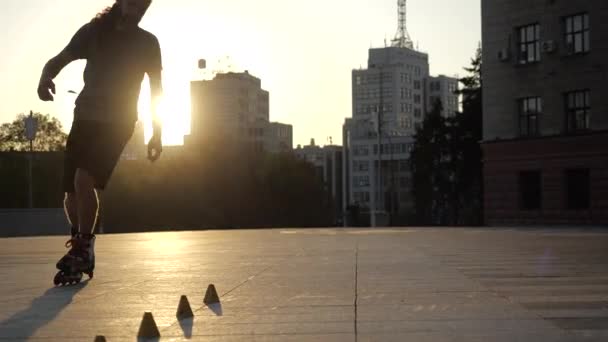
(576, 36)
(363, 150)
(374, 109)
(576, 184)
(577, 106)
(405, 78)
(360, 181)
(363, 197)
(364, 181)
(374, 93)
(436, 86)
(363, 165)
(374, 78)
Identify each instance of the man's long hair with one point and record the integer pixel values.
(106, 20)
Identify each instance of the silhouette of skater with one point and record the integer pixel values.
(118, 54)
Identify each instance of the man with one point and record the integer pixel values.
(118, 54)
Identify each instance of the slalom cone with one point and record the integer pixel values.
(183, 308)
(211, 296)
(100, 339)
(148, 328)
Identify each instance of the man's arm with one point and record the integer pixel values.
(154, 71)
(46, 87)
(156, 92)
(155, 146)
(76, 49)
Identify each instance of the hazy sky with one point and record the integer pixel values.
(303, 51)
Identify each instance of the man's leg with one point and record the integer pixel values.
(70, 206)
(87, 201)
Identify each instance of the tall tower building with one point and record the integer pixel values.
(389, 99)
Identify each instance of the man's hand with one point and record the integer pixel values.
(155, 147)
(46, 89)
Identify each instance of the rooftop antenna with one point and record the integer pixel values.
(402, 38)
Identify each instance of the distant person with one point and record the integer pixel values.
(118, 54)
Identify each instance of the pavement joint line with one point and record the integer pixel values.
(356, 288)
(105, 293)
(222, 295)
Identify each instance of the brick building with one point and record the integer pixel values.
(545, 111)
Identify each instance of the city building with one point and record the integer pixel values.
(390, 99)
(443, 88)
(545, 138)
(327, 161)
(233, 107)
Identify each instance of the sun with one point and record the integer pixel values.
(173, 109)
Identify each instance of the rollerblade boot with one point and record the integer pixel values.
(79, 259)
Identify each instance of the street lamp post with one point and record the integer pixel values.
(31, 126)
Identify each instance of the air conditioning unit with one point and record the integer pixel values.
(549, 46)
(503, 55)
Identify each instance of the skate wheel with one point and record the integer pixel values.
(90, 274)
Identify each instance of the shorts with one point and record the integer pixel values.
(96, 148)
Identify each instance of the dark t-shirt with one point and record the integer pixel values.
(116, 64)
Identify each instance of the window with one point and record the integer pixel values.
(360, 166)
(452, 87)
(360, 150)
(529, 110)
(417, 85)
(417, 99)
(529, 44)
(404, 165)
(578, 189)
(358, 80)
(578, 108)
(417, 112)
(360, 181)
(361, 197)
(577, 33)
(408, 108)
(530, 190)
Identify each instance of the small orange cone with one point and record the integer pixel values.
(148, 328)
(211, 296)
(100, 339)
(183, 308)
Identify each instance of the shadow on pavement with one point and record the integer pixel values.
(42, 310)
(216, 308)
(186, 325)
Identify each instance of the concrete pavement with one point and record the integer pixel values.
(317, 285)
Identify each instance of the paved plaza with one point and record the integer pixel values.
(317, 285)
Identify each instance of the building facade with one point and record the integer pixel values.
(327, 161)
(233, 107)
(444, 89)
(390, 100)
(545, 111)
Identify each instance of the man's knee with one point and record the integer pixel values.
(83, 180)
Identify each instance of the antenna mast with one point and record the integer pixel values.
(402, 38)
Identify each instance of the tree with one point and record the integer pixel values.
(468, 129)
(427, 166)
(446, 160)
(50, 135)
